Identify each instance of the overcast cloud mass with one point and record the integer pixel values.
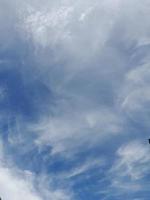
(74, 99)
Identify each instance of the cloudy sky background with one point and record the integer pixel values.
(74, 99)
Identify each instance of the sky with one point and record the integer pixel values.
(74, 99)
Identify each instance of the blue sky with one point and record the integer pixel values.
(74, 100)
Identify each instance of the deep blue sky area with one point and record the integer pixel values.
(74, 100)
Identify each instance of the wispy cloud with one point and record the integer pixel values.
(130, 170)
(74, 84)
(16, 183)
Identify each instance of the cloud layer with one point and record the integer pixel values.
(74, 99)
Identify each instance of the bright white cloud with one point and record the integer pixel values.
(13, 187)
(60, 28)
(16, 184)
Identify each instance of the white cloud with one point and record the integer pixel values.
(130, 169)
(136, 96)
(134, 13)
(81, 50)
(92, 67)
(47, 28)
(60, 27)
(83, 67)
(70, 131)
(16, 184)
(13, 187)
(135, 157)
(85, 167)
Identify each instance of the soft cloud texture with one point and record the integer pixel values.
(130, 170)
(74, 89)
(16, 183)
